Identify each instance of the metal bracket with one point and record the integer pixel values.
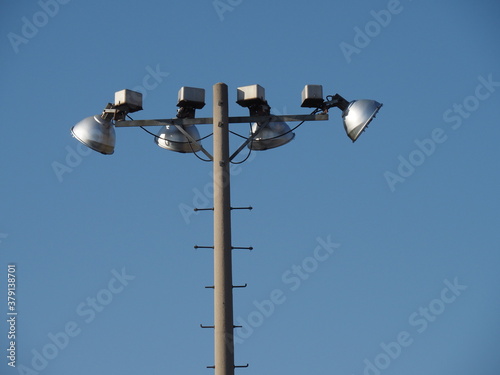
(210, 120)
(245, 366)
(241, 248)
(113, 112)
(251, 138)
(232, 208)
(335, 101)
(194, 141)
(234, 286)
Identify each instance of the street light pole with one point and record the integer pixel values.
(223, 283)
(98, 133)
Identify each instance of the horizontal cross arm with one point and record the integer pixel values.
(209, 120)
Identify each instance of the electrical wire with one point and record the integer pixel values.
(278, 136)
(249, 150)
(196, 152)
(294, 128)
(157, 136)
(189, 141)
(238, 135)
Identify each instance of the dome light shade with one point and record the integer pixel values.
(358, 115)
(273, 135)
(171, 138)
(96, 133)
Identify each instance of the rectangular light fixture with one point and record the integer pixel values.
(130, 101)
(250, 95)
(312, 96)
(191, 97)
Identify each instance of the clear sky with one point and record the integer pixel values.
(378, 257)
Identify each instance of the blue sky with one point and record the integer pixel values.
(378, 257)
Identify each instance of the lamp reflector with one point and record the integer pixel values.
(96, 133)
(171, 138)
(273, 135)
(358, 115)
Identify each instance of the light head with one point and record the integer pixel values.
(266, 135)
(97, 132)
(356, 114)
(170, 137)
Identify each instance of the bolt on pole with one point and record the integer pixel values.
(223, 283)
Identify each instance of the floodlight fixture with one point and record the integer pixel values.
(96, 132)
(274, 134)
(183, 138)
(181, 135)
(356, 114)
(265, 135)
(170, 137)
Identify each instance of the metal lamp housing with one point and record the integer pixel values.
(191, 97)
(96, 133)
(171, 138)
(312, 96)
(274, 134)
(358, 115)
(248, 96)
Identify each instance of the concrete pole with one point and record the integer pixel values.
(223, 279)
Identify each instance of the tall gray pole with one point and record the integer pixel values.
(223, 280)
